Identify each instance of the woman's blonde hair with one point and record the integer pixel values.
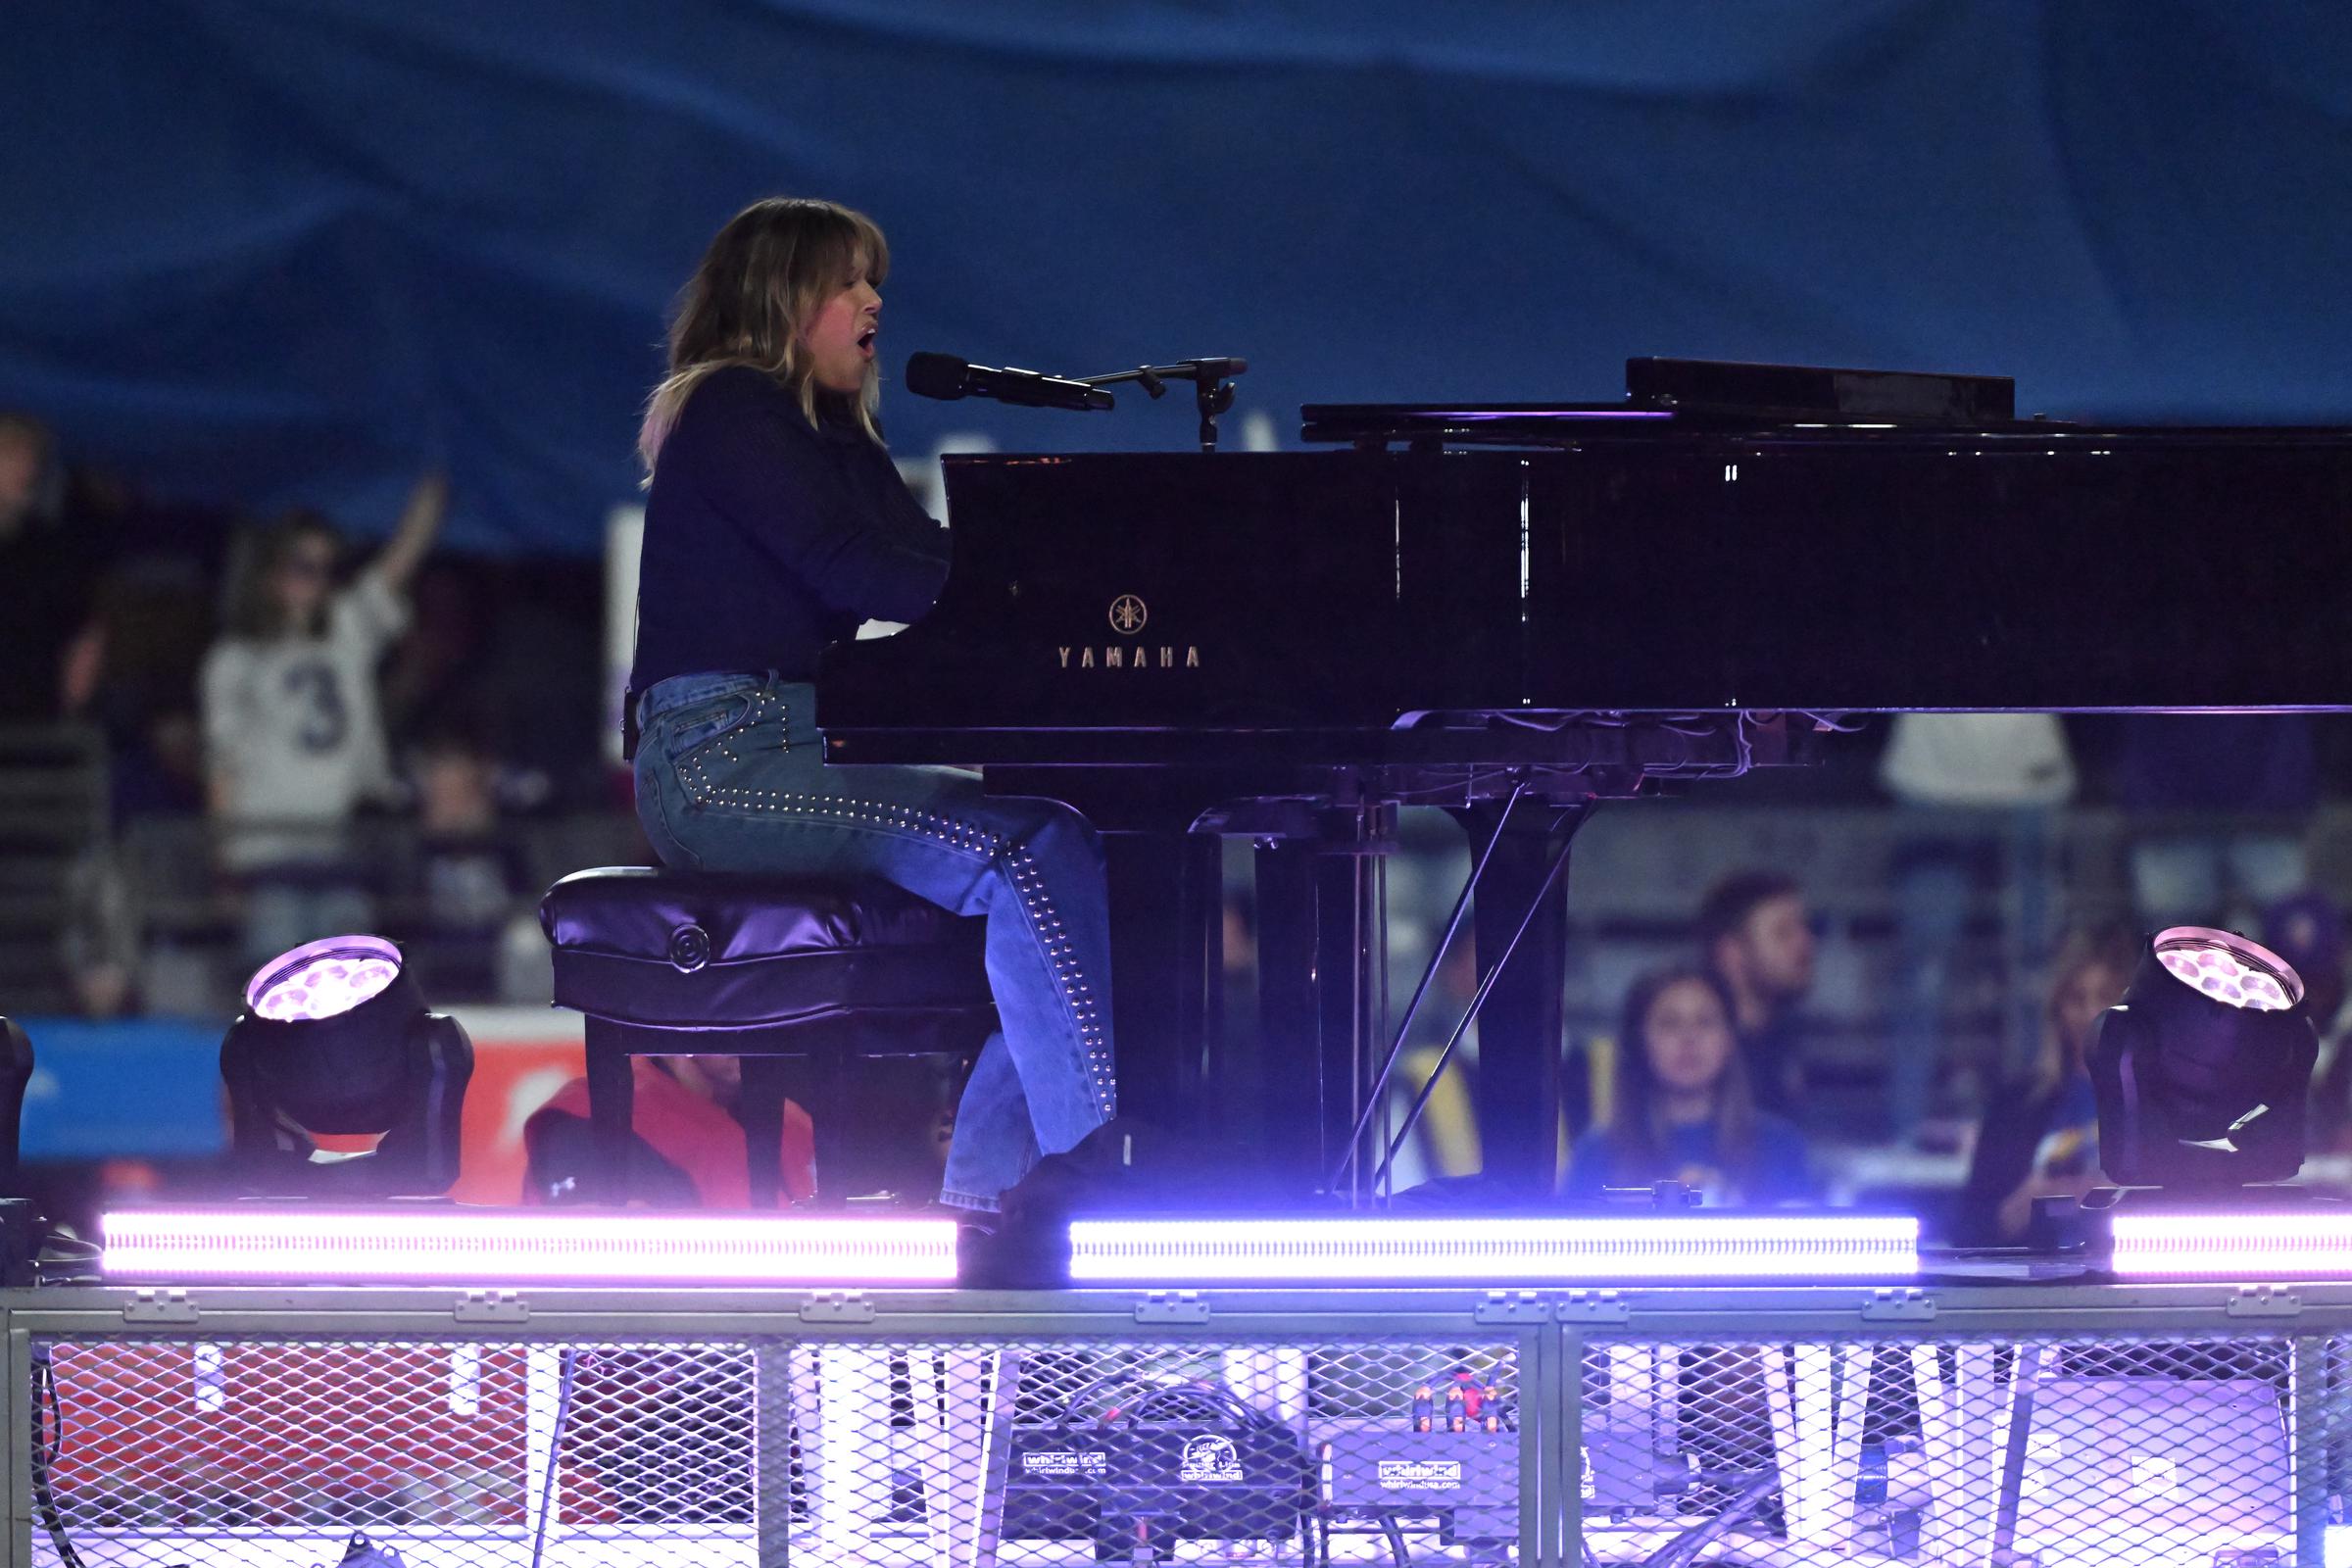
(766, 275)
(2112, 945)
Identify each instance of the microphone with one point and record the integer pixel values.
(947, 377)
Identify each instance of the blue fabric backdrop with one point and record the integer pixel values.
(268, 251)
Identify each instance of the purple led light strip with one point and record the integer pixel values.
(1470, 415)
(2225, 1246)
(492, 1246)
(1402, 1250)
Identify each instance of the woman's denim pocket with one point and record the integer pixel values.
(700, 723)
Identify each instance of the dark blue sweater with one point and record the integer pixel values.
(1775, 1172)
(766, 539)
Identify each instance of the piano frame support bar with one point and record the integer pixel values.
(1522, 1090)
(1377, 1094)
(1544, 1039)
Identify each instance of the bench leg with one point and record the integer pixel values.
(611, 1097)
(826, 1098)
(760, 1110)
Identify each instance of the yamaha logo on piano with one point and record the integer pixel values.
(1167, 656)
(1128, 614)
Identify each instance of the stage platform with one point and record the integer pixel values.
(1964, 1421)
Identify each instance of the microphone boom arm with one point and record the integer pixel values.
(1212, 391)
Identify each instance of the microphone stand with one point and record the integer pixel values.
(1210, 388)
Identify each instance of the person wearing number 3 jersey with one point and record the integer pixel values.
(294, 740)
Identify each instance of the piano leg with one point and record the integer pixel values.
(1166, 929)
(1286, 1054)
(1349, 948)
(1521, 1032)
(1320, 1000)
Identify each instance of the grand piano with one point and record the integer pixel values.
(1513, 611)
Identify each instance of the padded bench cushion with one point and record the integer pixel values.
(681, 950)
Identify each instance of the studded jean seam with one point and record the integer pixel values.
(1045, 1078)
(744, 730)
(1014, 860)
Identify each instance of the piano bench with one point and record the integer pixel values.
(767, 968)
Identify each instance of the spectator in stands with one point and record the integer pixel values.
(2308, 932)
(687, 1149)
(1980, 790)
(468, 878)
(2221, 802)
(1756, 936)
(102, 939)
(2039, 1137)
(1683, 1109)
(44, 565)
(293, 739)
(27, 473)
(131, 671)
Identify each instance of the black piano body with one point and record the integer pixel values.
(1542, 606)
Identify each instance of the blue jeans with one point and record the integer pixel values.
(731, 777)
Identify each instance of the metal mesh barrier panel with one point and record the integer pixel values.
(849, 1451)
(2026, 1453)
(269, 1451)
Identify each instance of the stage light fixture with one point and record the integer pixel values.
(1692, 1248)
(2305, 1244)
(493, 1247)
(336, 1043)
(2202, 1071)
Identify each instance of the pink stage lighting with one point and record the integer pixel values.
(2314, 1243)
(320, 979)
(2229, 968)
(493, 1247)
(1696, 1247)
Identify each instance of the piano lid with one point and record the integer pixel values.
(1687, 395)
(1935, 398)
